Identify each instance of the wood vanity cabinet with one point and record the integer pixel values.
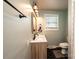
(39, 50)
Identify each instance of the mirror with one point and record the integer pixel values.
(34, 23)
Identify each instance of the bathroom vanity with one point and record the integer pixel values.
(39, 47)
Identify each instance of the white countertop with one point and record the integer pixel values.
(39, 39)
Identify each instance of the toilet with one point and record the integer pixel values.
(64, 47)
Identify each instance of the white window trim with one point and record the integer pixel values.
(52, 28)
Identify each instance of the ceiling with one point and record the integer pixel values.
(52, 4)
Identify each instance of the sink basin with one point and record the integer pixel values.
(40, 38)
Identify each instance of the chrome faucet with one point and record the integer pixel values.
(35, 35)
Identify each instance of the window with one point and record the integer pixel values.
(51, 21)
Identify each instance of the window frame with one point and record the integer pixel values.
(52, 15)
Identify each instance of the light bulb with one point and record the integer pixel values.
(36, 11)
(35, 7)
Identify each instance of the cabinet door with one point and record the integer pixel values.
(33, 50)
(39, 50)
(43, 51)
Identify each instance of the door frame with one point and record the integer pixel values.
(71, 21)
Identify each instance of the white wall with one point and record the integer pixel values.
(16, 34)
(54, 37)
